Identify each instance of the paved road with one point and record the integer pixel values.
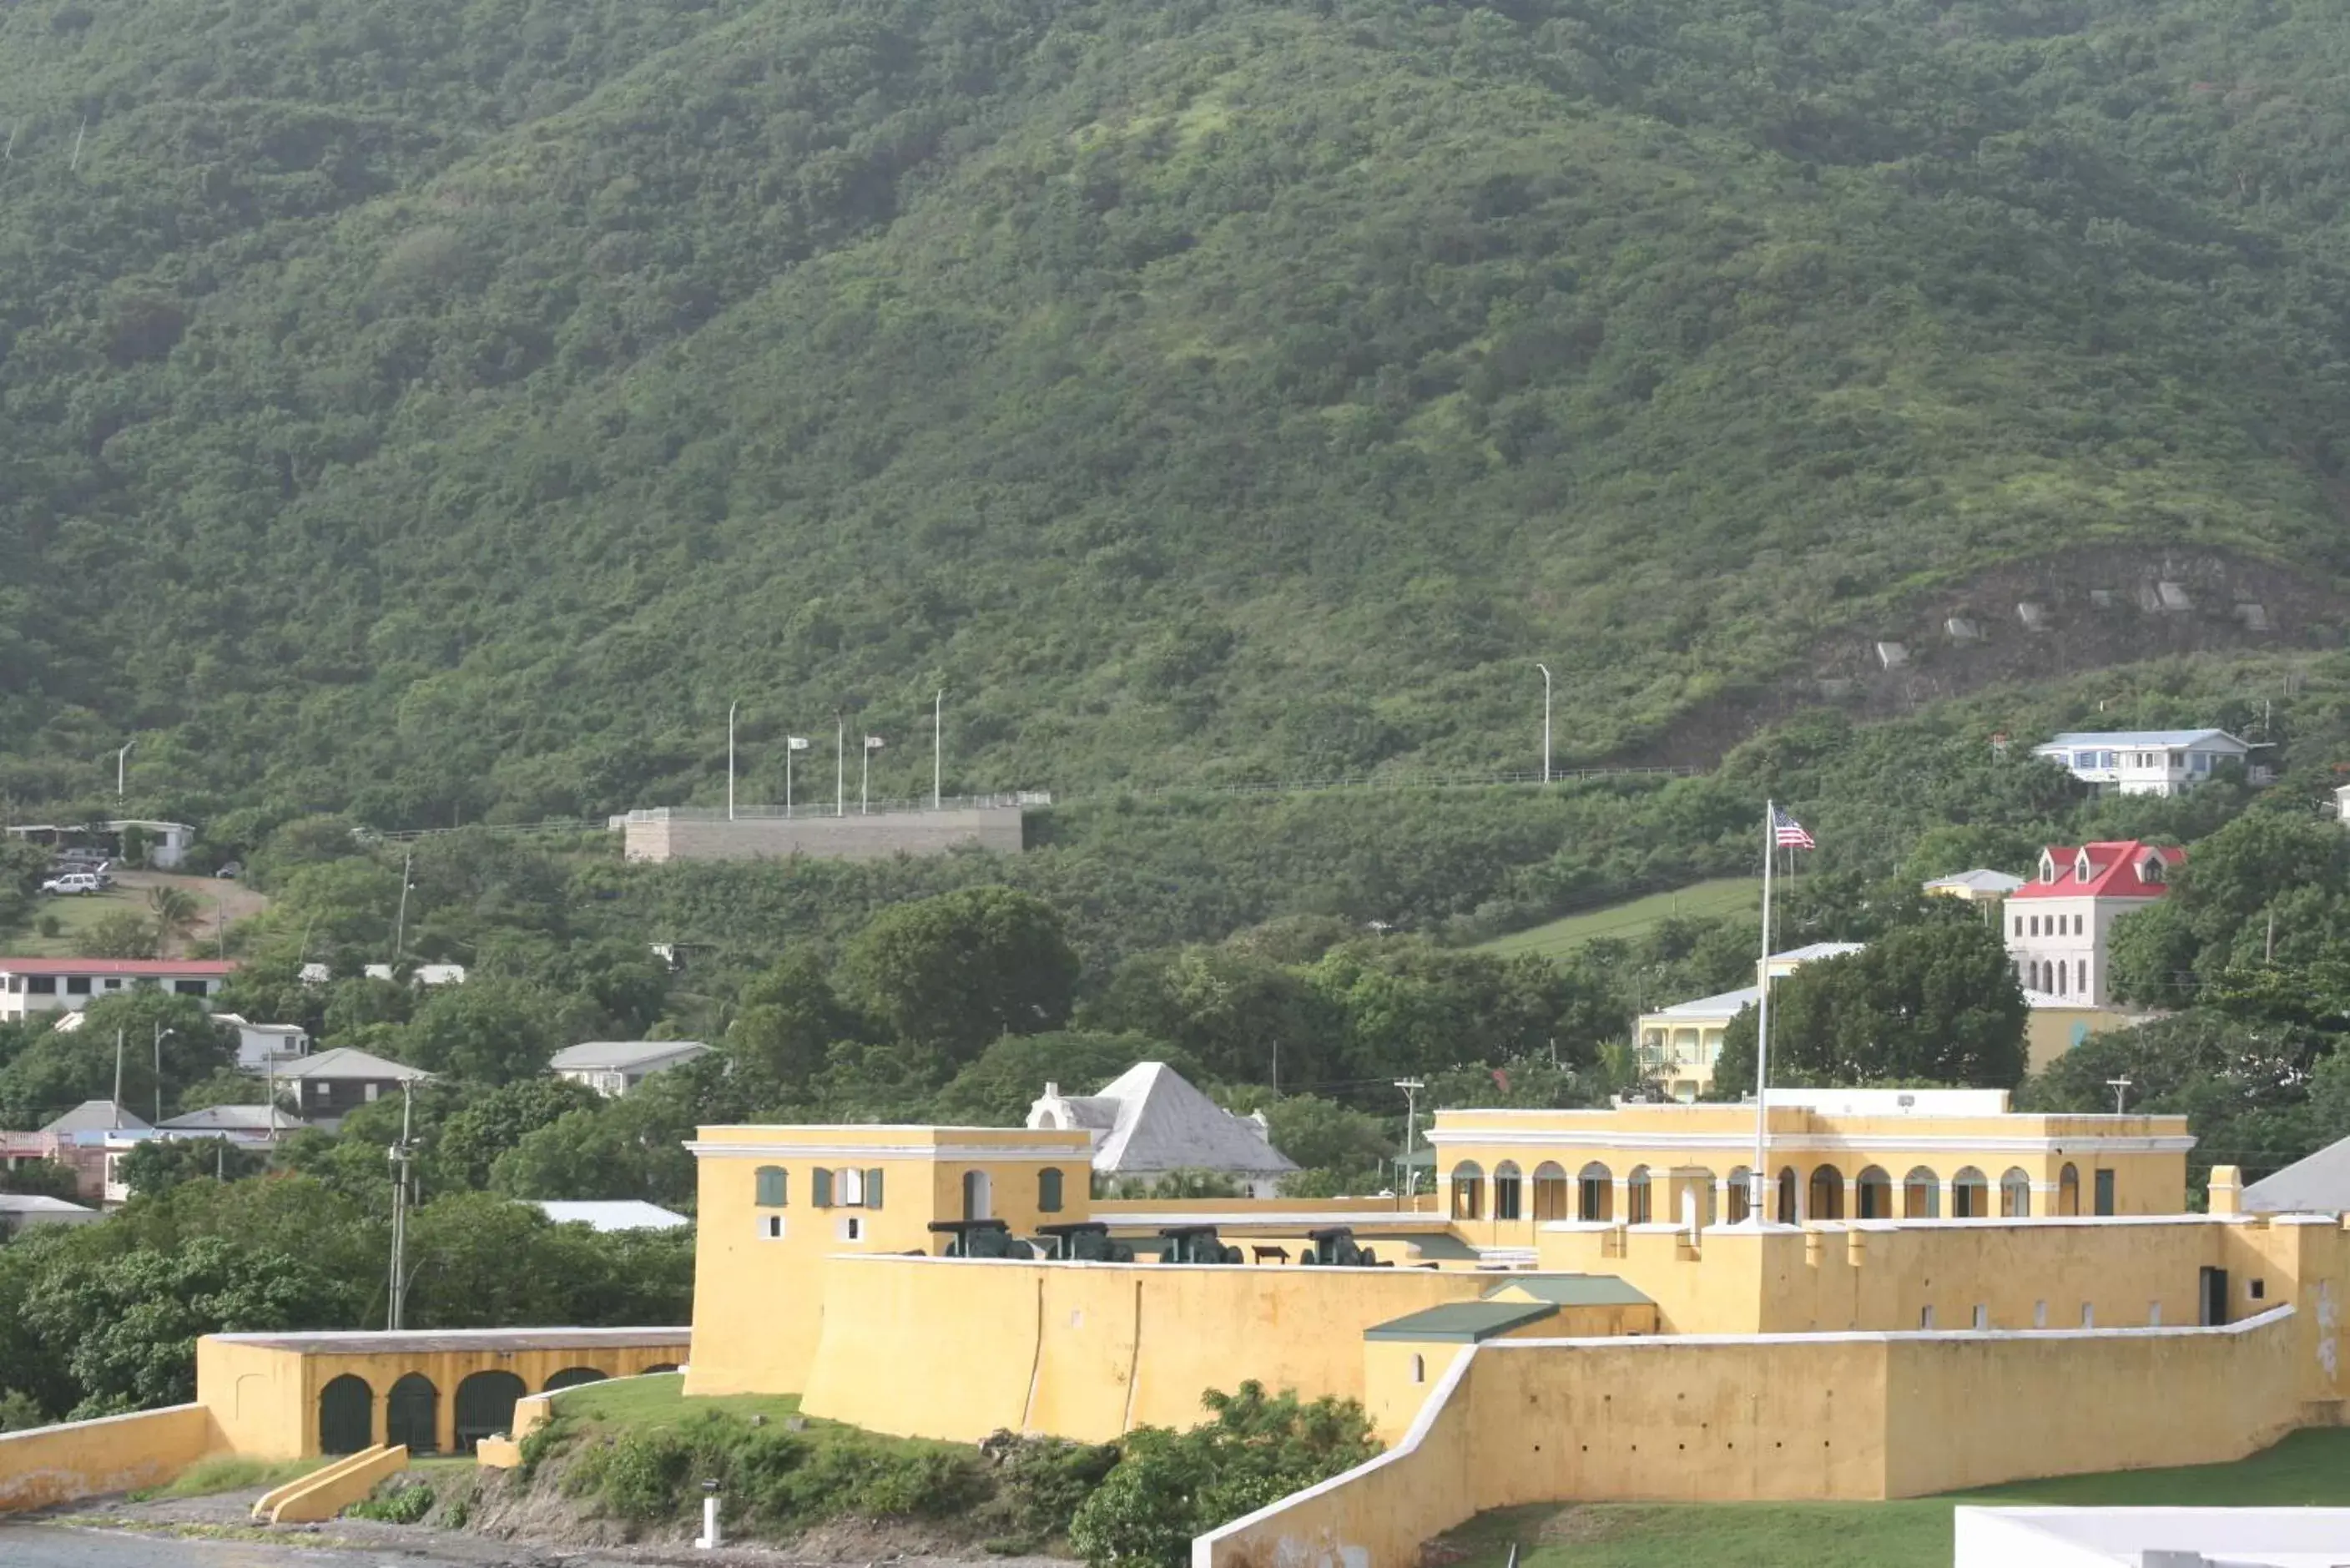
(56, 1546)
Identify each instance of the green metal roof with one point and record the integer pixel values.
(1462, 1322)
(1572, 1290)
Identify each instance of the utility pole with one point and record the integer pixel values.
(840, 766)
(2120, 1086)
(730, 762)
(1411, 1088)
(1545, 669)
(118, 1080)
(158, 1074)
(937, 745)
(399, 927)
(2268, 952)
(122, 761)
(399, 1154)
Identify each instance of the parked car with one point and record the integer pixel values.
(74, 882)
(232, 871)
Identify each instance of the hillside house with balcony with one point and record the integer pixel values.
(2144, 761)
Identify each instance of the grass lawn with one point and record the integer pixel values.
(75, 915)
(1723, 896)
(659, 1401)
(2308, 1468)
(229, 1472)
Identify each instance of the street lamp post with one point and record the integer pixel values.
(840, 768)
(1545, 669)
(937, 745)
(730, 762)
(122, 760)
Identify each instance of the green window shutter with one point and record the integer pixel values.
(820, 1188)
(1048, 1191)
(873, 1189)
(770, 1187)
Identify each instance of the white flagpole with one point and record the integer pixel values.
(1759, 1182)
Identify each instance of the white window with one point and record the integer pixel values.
(770, 1227)
(373, 1090)
(849, 1190)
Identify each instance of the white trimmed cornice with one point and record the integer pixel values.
(1075, 1149)
(1795, 1142)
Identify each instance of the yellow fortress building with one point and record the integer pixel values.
(1940, 1292)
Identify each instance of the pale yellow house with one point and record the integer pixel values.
(1678, 1046)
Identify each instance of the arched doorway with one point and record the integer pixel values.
(1596, 1197)
(1873, 1195)
(978, 1196)
(2068, 1190)
(485, 1407)
(1921, 1195)
(663, 1366)
(2015, 1194)
(411, 1414)
(1468, 1187)
(1969, 1195)
(346, 1415)
(572, 1377)
(1552, 1200)
(1738, 1201)
(1787, 1194)
(1640, 1196)
(1827, 1193)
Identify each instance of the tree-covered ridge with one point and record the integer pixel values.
(444, 413)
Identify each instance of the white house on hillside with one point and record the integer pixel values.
(2060, 922)
(2143, 762)
(613, 1067)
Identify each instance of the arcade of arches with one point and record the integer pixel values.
(297, 1394)
(1641, 1194)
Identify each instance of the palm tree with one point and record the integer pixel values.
(175, 910)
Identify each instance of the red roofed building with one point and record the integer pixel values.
(48, 985)
(2059, 922)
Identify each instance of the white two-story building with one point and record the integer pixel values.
(2144, 761)
(2060, 923)
(30, 985)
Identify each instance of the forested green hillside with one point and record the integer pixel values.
(443, 409)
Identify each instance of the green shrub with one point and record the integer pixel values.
(1172, 1486)
(394, 1503)
(1040, 1482)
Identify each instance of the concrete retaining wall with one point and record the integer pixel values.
(825, 837)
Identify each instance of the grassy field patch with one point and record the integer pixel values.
(1699, 900)
(2308, 1468)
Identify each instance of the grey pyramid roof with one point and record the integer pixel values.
(622, 1054)
(348, 1062)
(1163, 1124)
(94, 1115)
(233, 1118)
(2317, 1185)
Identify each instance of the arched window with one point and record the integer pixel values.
(774, 1187)
(1048, 1191)
(1552, 1200)
(1739, 1203)
(1921, 1195)
(1509, 1191)
(2068, 1190)
(1420, 1369)
(1467, 1190)
(1693, 1182)
(2015, 1194)
(411, 1414)
(1638, 1196)
(1595, 1194)
(1787, 1194)
(2061, 977)
(1969, 1195)
(571, 1377)
(1827, 1193)
(485, 1406)
(1873, 1195)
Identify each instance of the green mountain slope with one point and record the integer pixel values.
(446, 412)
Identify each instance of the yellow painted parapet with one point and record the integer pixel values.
(325, 1492)
(115, 1453)
(1783, 1417)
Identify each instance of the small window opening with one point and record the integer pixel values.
(2258, 1290)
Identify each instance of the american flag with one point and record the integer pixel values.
(1787, 833)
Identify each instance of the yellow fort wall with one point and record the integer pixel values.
(1852, 1416)
(960, 1348)
(57, 1464)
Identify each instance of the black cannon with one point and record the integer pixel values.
(1196, 1244)
(1334, 1248)
(1084, 1241)
(980, 1239)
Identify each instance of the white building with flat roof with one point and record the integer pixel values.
(30, 985)
(2143, 762)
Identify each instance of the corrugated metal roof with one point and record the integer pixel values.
(2149, 738)
(621, 1053)
(1462, 1322)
